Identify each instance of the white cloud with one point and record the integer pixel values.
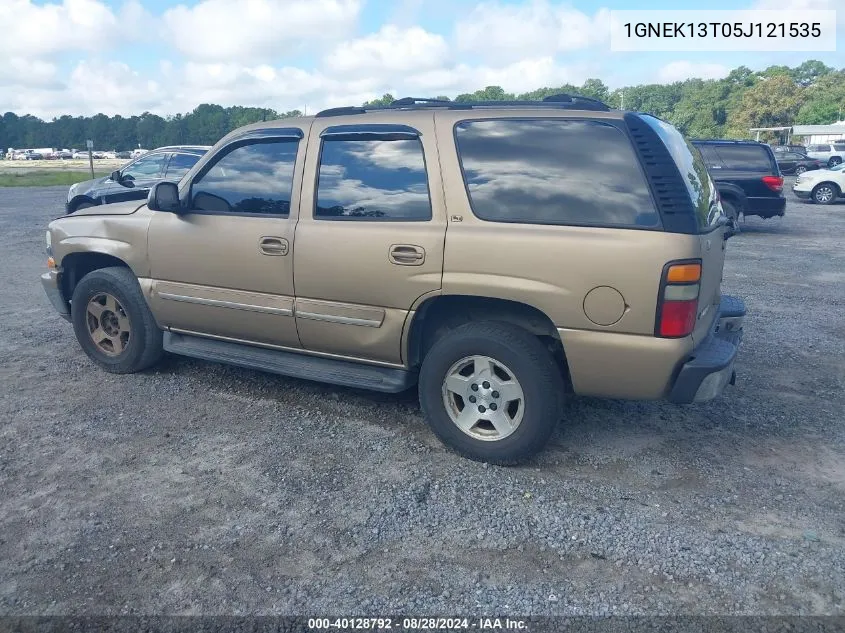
(21, 71)
(803, 5)
(680, 70)
(390, 50)
(503, 33)
(85, 25)
(256, 30)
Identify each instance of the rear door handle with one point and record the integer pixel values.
(271, 245)
(406, 254)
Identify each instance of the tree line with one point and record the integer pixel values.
(811, 93)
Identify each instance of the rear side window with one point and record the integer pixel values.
(710, 156)
(745, 157)
(553, 171)
(839, 147)
(372, 179)
(253, 178)
(693, 171)
(818, 148)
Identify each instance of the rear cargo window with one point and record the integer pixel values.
(745, 157)
(839, 147)
(693, 170)
(554, 171)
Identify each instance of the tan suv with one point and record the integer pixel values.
(499, 256)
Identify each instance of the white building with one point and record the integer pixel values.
(815, 134)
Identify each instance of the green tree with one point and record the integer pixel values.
(772, 102)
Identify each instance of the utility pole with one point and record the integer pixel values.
(622, 105)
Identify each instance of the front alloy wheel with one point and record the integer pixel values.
(800, 170)
(824, 194)
(108, 324)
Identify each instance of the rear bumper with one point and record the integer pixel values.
(711, 365)
(50, 281)
(767, 207)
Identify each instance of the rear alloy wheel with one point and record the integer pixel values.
(800, 170)
(825, 193)
(491, 391)
(730, 210)
(834, 161)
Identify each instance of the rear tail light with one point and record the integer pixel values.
(775, 183)
(677, 305)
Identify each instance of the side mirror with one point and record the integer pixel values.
(115, 175)
(164, 196)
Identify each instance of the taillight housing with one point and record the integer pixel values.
(775, 183)
(677, 301)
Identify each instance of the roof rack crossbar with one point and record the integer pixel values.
(413, 103)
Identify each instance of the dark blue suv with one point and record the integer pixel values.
(747, 177)
(133, 181)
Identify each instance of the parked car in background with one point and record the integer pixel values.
(832, 153)
(486, 254)
(33, 155)
(111, 155)
(124, 155)
(747, 176)
(133, 181)
(794, 163)
(139, 152)
(798, 149)
(825, 186)
(79, 154)
(64, 153)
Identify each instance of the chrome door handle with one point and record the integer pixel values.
(406, 255)
(271, 245)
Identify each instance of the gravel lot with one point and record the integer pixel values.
(203, 489)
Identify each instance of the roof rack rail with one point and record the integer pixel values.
(412, 103)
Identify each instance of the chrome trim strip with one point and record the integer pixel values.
(332, 318)
(298, 350)
(226, 304)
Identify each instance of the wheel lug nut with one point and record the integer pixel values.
(485, 384)
(481, 409)
(474, 387)
(495, 394)
(472, 398)
(493, 406)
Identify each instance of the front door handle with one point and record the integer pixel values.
(271, 245)
(406, 254)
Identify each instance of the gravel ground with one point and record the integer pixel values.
(202, 489)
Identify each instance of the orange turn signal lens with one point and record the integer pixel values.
(683, 273)
(51, 263)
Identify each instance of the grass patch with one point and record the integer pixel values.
(45, 178)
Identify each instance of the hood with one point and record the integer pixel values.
(85, 186)
(116, 208)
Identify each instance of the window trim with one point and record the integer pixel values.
(175, 153)
(610, 123)
(370, 137)
(227, 149)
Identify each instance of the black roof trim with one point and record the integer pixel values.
(269, 132)
(385, 131)
(725, 141)
(563, 101)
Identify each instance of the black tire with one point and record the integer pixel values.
(144, 346)
(531, 364)
(825, 193)
(834, 161)
(82, 205)
(730, 209)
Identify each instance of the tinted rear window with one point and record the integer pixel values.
(745, 157)
(839, 147)
(554, 171)
(693, 171)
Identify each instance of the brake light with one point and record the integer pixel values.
(678, 299)
(775, 183)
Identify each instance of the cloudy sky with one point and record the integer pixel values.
(124, 57)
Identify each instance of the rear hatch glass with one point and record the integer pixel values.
(756, 158)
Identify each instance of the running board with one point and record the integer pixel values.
(316, 368)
